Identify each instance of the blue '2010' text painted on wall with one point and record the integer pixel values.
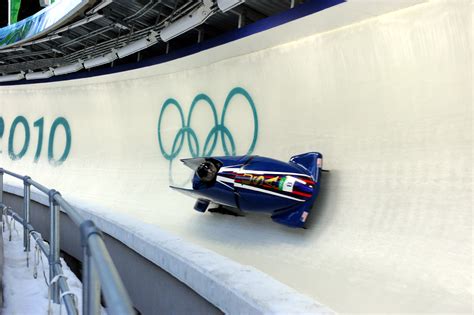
(22, 122)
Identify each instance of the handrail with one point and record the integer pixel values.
(11, 173)
(38, 186)
(98, 267)
(72, 213)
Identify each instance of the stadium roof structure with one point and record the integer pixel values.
(114, 32)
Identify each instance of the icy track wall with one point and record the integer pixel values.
(386, 100)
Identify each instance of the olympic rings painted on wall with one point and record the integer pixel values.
(212, 138)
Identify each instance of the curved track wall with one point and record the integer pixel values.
(386, 100)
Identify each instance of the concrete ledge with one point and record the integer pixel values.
(231, 287)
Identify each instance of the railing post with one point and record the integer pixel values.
(54, 244)
(90, 279)
(26, 216)
(91, 286)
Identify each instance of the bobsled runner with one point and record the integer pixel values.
(237, 184)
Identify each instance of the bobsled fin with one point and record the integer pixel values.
(188, 192)
(201, 204)
(311, 161)
(293, 217)
(193, 163)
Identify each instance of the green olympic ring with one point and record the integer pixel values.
(212, 138)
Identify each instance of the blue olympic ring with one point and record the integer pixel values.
(212, 138)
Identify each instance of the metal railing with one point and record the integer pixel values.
(98, 268)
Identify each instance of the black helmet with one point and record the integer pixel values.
(207, 171)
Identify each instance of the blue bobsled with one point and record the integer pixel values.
(254, 183)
